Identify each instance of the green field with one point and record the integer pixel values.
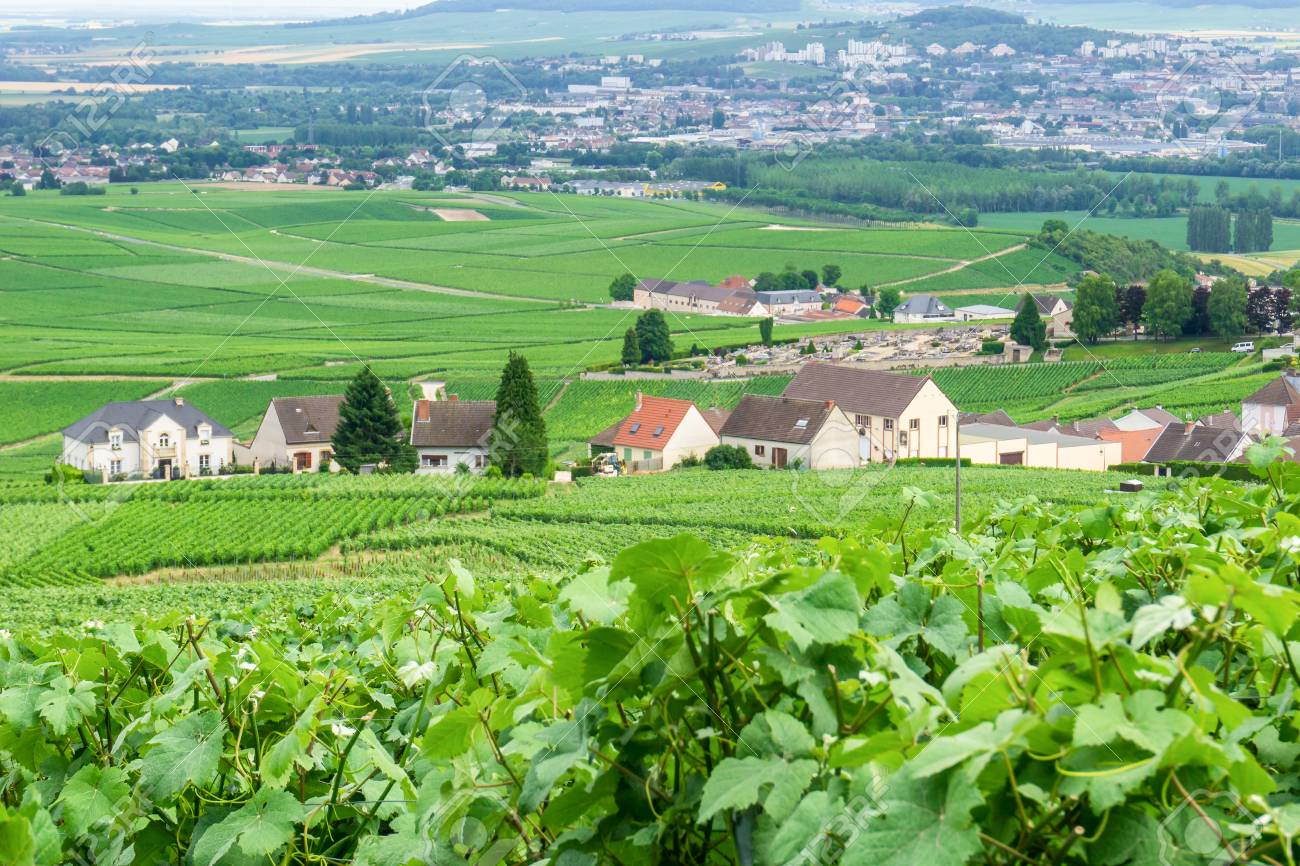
(304, 286)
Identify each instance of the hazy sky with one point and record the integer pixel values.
(204, 9)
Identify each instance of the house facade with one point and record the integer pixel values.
(660, 432)
(148, 439)
(1057, 313)
(297, 432)
(1273, 408)
(782, 432)
(447, 434)
(895, 416)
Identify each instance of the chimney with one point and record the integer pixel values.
(452, 398)
(830, 404)
(1187, 427)
(638, 400)
(180, 401)
(421, 410)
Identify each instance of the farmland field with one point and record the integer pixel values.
(204, 288)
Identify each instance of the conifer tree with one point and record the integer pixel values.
(369, 429)
(518, 440)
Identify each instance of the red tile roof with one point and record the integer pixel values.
(652, 423)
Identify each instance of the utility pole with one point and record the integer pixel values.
(957, 471)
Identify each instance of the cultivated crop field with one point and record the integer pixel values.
(1055, 684)
(179, 285)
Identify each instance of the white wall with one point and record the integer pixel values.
(455, 456)
(692, 438)
(836, 445)
(1261, 418)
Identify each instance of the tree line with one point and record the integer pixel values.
(1215, 229)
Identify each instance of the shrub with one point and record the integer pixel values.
(992, 347)
(728, 457)
(62, 473)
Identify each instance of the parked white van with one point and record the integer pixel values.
(1245, 348)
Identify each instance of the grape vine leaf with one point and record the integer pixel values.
(260, 827)
(93, 795)
(63, 705)
(826, 612)
(923, 822)
(738, 783)
(909, 613)
(669, 568)
(188, 751)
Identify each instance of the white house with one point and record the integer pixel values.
(450, 433)
(662, 431)
(781, 431)
(1272, 409)
(298, 432)
(922, 308)
(148, 438)
(895, 415)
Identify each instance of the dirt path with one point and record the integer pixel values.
(293, 269)
(957, 267)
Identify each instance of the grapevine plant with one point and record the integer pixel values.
(1107, 685)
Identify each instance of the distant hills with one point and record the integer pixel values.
(442, 7)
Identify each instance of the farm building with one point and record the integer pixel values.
(148, 439)
(895, 415)
(659, 433)
(977, 312)
(297, 432)
(450, 433)
(781, 431)
(1001, 445)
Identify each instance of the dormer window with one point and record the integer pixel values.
(205, 434)
(164, 440)
(115, 440)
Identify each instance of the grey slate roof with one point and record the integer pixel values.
(777, 419)
(857, 391)
(789, 296)
(306, 420)
(1045, 303)
(1208, 444)
(452, 423)
(128, 417)
(923, 305)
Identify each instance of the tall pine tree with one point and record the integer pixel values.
(369, 429)
(518, 441)
(653, 336)
(1028, 327)
(631, 348)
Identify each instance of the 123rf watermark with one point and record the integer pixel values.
(469, 105)
(95, 109)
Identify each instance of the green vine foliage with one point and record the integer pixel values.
(1109, 685)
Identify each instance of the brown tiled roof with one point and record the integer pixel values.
(739, 303)
(861, 392)
(1092, 426)
(716, 417)
(1226, 418)
(305, 420)
(1160, 416)
(1279, 392)
(652, 423)
(998, 416)
(605, 438)
(1208, 444)
(452, 423)
(777, 419)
